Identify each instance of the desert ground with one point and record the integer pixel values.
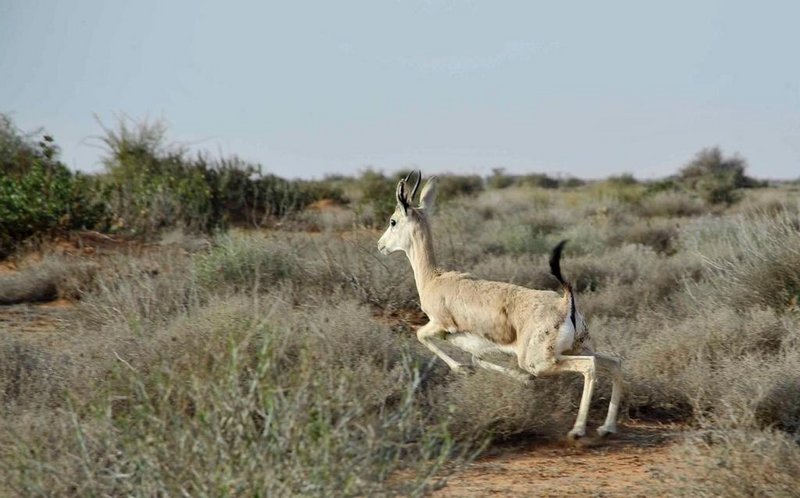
(282, 360)
(179, 325)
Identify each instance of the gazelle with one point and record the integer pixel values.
(543, 329)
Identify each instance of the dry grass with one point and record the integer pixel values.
(54, 277)
(735, 463)
(284, 363)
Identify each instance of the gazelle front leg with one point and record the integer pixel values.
(426, 334)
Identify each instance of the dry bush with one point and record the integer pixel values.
(524, 233)
(734, 463)
(770, 201)
(313, 263)
(589, 236)
(718, 362)
(325, 217)
(47, 280)
(28, 287)
(671, 204)
(457, 231)
(528, 271)
(245, 395)
(616, 192)
(139, 292)
(248, 261)
(661, 236)
(30, 377)
(750, 260)
(632, 279)
(511, 201)
(275, 362)
(487, 404)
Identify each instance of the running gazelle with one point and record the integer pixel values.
(543, 329)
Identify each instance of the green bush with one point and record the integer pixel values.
(573, 182)
(716, 177)
(539, 180)
(454, 186)
(38, 194)
(623, 179)
(154, 186)
(499, 179)
(377, 197)
(245, 195)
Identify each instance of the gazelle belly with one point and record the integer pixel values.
(478, 345)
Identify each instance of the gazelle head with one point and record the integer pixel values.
(408, 222)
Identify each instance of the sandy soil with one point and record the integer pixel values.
(625, 465)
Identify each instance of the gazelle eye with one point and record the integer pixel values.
(392, 222)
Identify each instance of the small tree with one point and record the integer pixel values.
(716, 177)
(377, 196)
(38, 194)
(499, 179)
(453, 186)
(540, 180)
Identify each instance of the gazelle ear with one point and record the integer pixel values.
(427, 198)
(402, 195)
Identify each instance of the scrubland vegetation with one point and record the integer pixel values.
(276, 357)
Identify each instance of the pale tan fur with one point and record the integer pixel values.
(480, 316)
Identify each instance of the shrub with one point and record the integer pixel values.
(453, 186)
(716, 177)
(734, 463)
(154, 186)
(671, 204)
(662, 237)
(377, 197)
(539, 180)
(572, 182)
(750, 260)
(623, 179)
(246, 263)
(243, 194)
(38, 194)
(47, 280)
(499, 179)
(20, 151)
(256, 400)
(619, 191)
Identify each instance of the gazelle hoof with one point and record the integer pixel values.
(576, 434)
(604, 431)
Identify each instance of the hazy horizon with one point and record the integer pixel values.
(463, 87)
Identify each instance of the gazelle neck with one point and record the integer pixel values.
(421, 256)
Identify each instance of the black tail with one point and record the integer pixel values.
(555, 269)
(555, 264)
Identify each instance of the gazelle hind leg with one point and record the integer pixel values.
(612, 366)
(586, 366)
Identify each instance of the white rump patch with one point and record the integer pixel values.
(566, 337)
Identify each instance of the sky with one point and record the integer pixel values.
(585, 89)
